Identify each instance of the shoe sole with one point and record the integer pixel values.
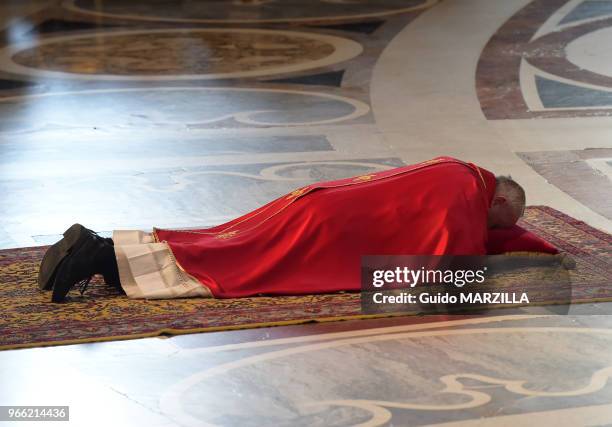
(55, 254)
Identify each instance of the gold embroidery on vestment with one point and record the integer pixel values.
(364, 177)
(296, 193)
(227, 234)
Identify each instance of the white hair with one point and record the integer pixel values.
(512, 191)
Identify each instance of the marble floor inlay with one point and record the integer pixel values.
(247, 11)
(452, 372)
(176, 54)
(185, 107)
(378, 395)
(558, 65)
(194, 123)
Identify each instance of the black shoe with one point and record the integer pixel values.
(56, 253)
(91, 255)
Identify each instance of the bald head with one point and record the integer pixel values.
(508, 203)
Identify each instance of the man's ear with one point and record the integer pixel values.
(499, 200)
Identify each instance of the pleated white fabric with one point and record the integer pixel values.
(149, 270)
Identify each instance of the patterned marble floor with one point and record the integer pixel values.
(196, 123)
(520, 369)
(186, 113)
(201, 113)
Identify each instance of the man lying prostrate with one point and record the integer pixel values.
(306, 242)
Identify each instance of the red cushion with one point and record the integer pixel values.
(516, 239)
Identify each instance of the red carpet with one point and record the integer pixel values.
(28, 319)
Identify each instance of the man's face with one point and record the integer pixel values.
(501, 214)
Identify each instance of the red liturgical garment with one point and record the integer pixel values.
(311, 240)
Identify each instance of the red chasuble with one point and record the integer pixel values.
(311, 240)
